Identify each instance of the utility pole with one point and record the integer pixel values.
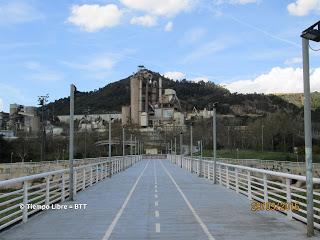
(308, 136)
(110, 149)
(214, 138)
(175, 149)
(131, 152)
(71, 138)
(42, 102)
(262, 127)
(201, 154)
(191, 146)
(181, 151)
(123, 147)
(85, 133)
(135, 149)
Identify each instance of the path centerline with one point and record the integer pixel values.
(125, 203)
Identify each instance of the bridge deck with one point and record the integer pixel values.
(157, 200)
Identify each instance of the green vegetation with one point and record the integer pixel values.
(111, 97)
(297, 99)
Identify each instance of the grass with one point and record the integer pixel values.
(249, 154)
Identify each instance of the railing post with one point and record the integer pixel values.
(47, 190)
(75, 183)
(25, 202)
(227, 177)
(208, 171)
(97, 173)
(112, 168)
(63, 186)
(90, 175)
(220, 174)
(249, 185)
(288, 191)
(265, 187)
(84, 178)
(198, 167)
(237, 180)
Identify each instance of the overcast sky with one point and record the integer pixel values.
(245, 45)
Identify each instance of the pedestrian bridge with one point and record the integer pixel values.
(172, 198)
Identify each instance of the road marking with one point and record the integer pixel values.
(156, 214)
(156, 203)
(157, 227)
(116, 218)
(156, 190)
(155, 172)
(156, 195)
(202, 224)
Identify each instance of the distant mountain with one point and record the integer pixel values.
(114, 95)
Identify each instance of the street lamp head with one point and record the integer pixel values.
(312, 33)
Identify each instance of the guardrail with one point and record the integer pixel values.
(52, 187)
(261, 185)
(288, 166)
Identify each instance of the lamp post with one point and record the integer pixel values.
(262, 127)
(71, 138)
(181, 133)
(123, 147)
(131, 149)
(175, 149)
(312, 33)
(110, 148)
(214, 142)
(191, 146)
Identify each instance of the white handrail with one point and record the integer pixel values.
(257, 184)
(52, 187)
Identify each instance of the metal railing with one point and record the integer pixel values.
(283, 166)
(260, 185)
(44, 189)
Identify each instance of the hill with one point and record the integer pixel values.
(297, 99)
(111, 97)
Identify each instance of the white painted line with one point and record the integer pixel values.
(156, 203)
(116, 218)
(156, 214)
(202, 224)
(155, 172)
(156, 195)
(157, 227)
(156, 190)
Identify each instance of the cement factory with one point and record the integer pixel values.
(20, 118)
(151, 106)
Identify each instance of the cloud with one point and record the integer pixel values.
(205, 50)
(166, 8)
(146, 20)
(277, 80)
(32, 65)
(168, 27)
(303, 7)
(199, 79)
(41, 73)
(236, 2)
(95, 17)
(175, 75)
(293, 61)
(193, 35)
(18, 12)
(98, 63)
